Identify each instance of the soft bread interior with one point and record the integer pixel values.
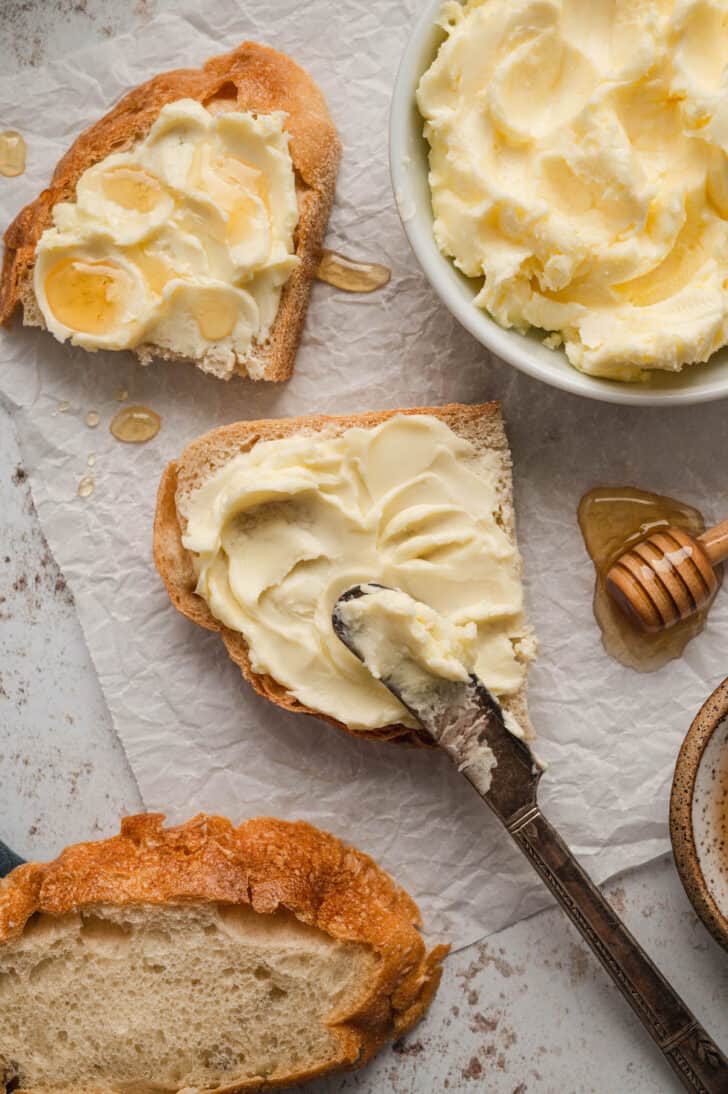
(195, 995)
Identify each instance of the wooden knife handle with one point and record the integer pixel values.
(695, 1058)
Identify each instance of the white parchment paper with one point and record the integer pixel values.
(196, 736)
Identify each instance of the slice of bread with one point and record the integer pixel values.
(204, 958)
(482, 425)
(252, 78)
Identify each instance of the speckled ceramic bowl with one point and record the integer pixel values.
(699, 814)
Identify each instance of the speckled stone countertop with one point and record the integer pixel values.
(529, 1010)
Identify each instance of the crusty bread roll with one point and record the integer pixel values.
(481, 425)
(203, 958)
(250, 78)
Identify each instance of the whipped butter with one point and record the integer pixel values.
(278, 533)
(578, 164)
(394, 633)
(182, 242)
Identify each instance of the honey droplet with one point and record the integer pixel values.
(155, 270)
(12, 153)
(351, 276)
(86, 486)
(132, 188)
(240, 219)
(224, 178)
(91, 459)
(121, 395)
(216, 314)
(92, 419)
(135, 424)
(86, 296)
(612, 520)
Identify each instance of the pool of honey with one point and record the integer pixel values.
(135, 424)
(612, 519)
(350, 275)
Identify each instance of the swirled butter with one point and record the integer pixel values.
(278, 533)
(183, 242)
(578, 164)
(396, 635)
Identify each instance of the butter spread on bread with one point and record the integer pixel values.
(392, 631)
(204, 957)
(184, 241)
(251, 80)
(278, 532)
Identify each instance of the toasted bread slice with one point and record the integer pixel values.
(252, 78)
(481, 425)
(204, 957)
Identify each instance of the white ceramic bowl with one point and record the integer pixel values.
(408, 165)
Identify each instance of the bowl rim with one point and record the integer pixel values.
(478, 323)
(711, 716)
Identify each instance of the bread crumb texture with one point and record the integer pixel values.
(204, 958)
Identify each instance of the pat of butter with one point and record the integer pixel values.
(578, 164)
(278, 533)
(183, 242)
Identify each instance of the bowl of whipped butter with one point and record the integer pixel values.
(560, 172)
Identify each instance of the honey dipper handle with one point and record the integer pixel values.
(695, 1058)
(715, 542)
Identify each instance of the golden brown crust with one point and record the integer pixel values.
(250, 78)
(270, 865)
(175, 565)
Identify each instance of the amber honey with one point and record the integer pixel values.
(12, 153)
(613, 519)
(132, 188)
(135, 424)
(86, 486)
(215, 314)
(86, 295)
(351, 276)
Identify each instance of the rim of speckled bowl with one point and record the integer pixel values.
(712, 717)
(408, 169)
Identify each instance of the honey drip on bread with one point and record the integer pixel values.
(613, 519)
(348, 274)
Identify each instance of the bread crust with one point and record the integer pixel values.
(269, 865)
(251, 78)
(478, 423)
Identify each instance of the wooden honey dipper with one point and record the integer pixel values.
(668, 576)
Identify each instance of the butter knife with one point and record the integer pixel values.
(465, 720)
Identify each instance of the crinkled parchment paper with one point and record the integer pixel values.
(196, 736)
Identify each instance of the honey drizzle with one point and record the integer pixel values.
(348, 274)
(613, 519)
(13, 151)
(84, 296)
(215, 315)
(135, 424)
(86, 486)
